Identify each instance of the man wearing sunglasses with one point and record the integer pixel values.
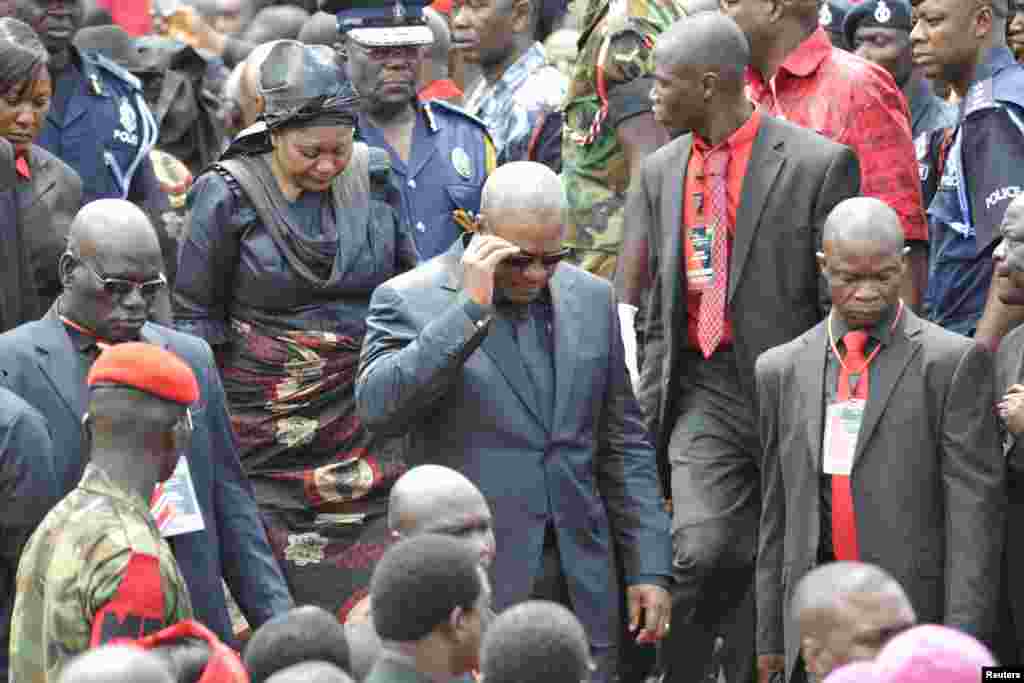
(440, 155)
(507, 365)
(113, 281)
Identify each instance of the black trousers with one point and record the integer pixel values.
(713, 453)
(550, 584)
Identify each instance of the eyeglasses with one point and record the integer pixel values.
(117, 287)
(524, 260)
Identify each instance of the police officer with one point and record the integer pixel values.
(964, 44)
(98, 123)
(440, 155)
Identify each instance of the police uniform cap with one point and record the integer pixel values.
(832, 14)
(877, 13)
(381, 23)
(149, 369)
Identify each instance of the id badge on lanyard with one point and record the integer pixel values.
(842, 426)
(700, 270)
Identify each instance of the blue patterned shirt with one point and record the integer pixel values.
(512, 105)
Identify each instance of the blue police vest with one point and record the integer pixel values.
(440, 185)
(107, 129)
(952, 204)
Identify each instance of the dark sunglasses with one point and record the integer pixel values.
(524, 260)
(118, 287)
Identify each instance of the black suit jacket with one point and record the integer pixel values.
(928, 477)
(794, 178)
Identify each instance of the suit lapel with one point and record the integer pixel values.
(60, 363)
(810, 368)
(672, 235)
(568, 322)
(766, 161)
(499, 345)
(889, 366)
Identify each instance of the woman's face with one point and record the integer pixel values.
(309, 159)
(23, 108)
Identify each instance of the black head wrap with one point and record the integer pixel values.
(305, 86)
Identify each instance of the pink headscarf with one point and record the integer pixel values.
(932, 654)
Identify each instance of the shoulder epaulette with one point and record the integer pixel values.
(453, 109)
(106, 64)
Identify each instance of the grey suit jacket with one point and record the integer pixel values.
(794, 178)
(928, 477)
(464, 396)
(1010, 371)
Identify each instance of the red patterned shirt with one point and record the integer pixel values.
(857, 104)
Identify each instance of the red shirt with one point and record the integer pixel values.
(857, 104)
(695, 212)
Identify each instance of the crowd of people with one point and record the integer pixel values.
(670, 341)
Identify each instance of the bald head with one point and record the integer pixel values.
(311, 672)
(439, 500)
(706, 41)
(522, 188)
(829, 587)
(111, 225)
(116, 664)
(865, 219)
(419, 493)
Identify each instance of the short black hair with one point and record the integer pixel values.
(417, 584)
(186, 658)
(299, 635)
(539, 642)
(312, 672)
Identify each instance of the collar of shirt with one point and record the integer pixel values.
(510, 81)
(801, 62)
(997, 59)
(881, 332)
(95, 480)
(743, 135)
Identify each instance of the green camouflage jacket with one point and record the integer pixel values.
(610, 83)
(96, 569)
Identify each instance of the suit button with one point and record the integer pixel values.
(412, 183)
(421, 227)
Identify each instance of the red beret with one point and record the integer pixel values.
(147, 368)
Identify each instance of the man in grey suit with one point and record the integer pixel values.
(880, 445)
(507, 365)
(730, 255)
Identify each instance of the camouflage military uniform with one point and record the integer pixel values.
(610, 83)
(96, 569)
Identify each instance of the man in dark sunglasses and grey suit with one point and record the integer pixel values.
(507, 365)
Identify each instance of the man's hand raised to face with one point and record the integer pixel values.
(479, 262)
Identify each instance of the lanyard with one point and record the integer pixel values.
(100, 343)
(835, 349)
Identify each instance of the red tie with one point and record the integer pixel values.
(711, 319)
(844, 522)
